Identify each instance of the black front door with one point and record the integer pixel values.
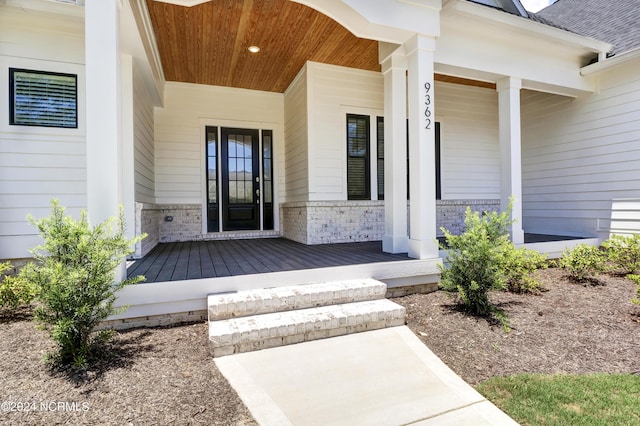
(240, 157)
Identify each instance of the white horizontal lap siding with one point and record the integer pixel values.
(578, 155)
(178, 131)
(333, 92)
(38, 164)
(296, 152)
(469, 146)
(144, 150)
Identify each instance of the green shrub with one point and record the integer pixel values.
(14, 292)
(623, 251)
(75, 271)
(583, 262)
(475, 261)
(636, 279)
(520, 266)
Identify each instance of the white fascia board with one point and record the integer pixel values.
(540, 30)
(362, 17)
(143, 46)
(611, 62)
(417, 16)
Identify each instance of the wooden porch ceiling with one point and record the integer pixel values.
(207, 43)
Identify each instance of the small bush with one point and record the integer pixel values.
(75, 272)
(623, 251)
(520, 266)
(583, 262)
(14, 292)
(475, 261)
(636, 279)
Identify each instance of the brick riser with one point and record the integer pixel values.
(266, 318)
(285, 328)
(264, 301)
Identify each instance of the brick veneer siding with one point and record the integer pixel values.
(146, 222)
(185, 225)
(450, 213)
(310, 222)
(322, 222)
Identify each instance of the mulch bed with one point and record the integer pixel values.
(166, 375)
(154, 376)
(569, 328)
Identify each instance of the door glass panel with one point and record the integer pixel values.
(267, 179)
(212, 179)
(240, 169)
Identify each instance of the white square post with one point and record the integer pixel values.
(511, 152)
(103, 109)
(422, 162)
(395, 238)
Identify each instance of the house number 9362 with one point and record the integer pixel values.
(427, 104)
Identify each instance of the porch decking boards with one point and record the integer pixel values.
(211, 259)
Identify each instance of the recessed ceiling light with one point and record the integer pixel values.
(254, 49)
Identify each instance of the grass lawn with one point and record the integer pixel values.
(561, 399)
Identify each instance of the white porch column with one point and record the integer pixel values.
(127, 165)
(510, 151)
(422, 183)
(395, 238)
(104, 126)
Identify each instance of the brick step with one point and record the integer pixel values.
(280, 299)
(264, 331)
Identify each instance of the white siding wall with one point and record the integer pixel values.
(38, 163)
(296, 139)
(144, 150)
(333, 92)
(469, 147)
(470, 151)
(580, 154)
(179, 133)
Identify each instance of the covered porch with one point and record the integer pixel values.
(240, 257)
(181, 275)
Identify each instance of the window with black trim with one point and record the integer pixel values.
(380, 146)
(41, 98)
(358, 182)
(380, 156)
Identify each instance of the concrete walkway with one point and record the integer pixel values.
(381, 377)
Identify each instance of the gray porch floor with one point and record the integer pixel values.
(224, 258)
(210, 259)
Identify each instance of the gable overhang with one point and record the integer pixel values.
(533, 28)
(391, 21)
(487, 44)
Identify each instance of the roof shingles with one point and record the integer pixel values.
(612, 21)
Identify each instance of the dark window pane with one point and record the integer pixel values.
(45, 99)
(358, 187)
(380, 155)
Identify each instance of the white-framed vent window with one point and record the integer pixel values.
(41, 98)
